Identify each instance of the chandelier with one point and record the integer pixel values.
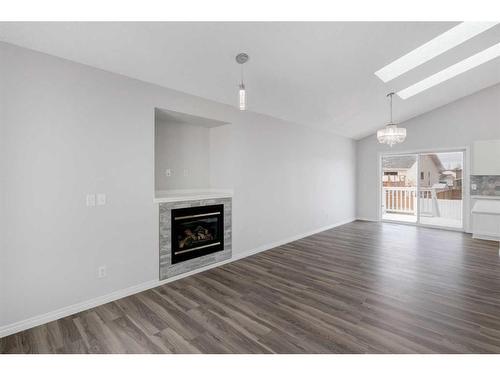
(391, 134)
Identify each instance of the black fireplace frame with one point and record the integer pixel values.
(179, 215)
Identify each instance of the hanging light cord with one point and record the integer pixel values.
(242, 75)
(390, 98)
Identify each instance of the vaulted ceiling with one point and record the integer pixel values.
(320, 74)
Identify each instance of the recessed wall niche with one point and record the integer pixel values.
(182, 151)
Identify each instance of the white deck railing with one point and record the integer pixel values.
(447, 208)
(400, 199)
(403, 200)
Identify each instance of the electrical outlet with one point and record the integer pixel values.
(168, 172)
(101, 199)
(90, 200)
(101, 272)
(186, 172)
(474, 187)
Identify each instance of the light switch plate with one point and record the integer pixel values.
(90, 200)
(168, 172)
(101, 199)
(474, 187)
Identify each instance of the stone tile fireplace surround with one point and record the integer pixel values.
(167, 269)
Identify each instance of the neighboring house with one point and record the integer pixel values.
(430, 170)
(401, 171)
(453, 180)
(398, 171)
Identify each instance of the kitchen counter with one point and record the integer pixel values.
(488, 206)
(497, 197)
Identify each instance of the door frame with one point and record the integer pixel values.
(465, 185)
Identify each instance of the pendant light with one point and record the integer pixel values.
(242, 58)
(391, 134)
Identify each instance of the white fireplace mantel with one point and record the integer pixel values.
(167, 196)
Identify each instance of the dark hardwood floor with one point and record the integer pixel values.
(359, 288)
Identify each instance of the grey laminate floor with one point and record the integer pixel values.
(359, 288)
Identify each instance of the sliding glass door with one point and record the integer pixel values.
(441, 189)
(399, 188)
(424, 188)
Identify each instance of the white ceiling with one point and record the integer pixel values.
(316, 74)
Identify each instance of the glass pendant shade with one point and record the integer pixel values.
(242, 58)
(243, 98)
(391, 135)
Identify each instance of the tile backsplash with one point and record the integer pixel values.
(485, 185)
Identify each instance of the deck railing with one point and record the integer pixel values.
(403, 200)
(400, 199)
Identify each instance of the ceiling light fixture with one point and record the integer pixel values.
(242, 58)
(440, 44)
(391, 134)
(451, 71)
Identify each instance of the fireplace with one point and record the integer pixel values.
(197, 231)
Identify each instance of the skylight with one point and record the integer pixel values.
(451, 71)
(434, 47)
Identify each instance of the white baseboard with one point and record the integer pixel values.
(73, 309)
(486, 236)
(82, 306)
(291, 239)
(367, 219)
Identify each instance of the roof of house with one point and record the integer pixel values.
(406, 161)
(437, 162)
(398, 161)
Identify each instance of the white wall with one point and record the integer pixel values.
(68, 129)
(458, 124)
(182, 147)
(287, 179)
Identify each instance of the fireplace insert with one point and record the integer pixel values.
(197, 231)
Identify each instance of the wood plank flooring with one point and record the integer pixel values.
(359, 288)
